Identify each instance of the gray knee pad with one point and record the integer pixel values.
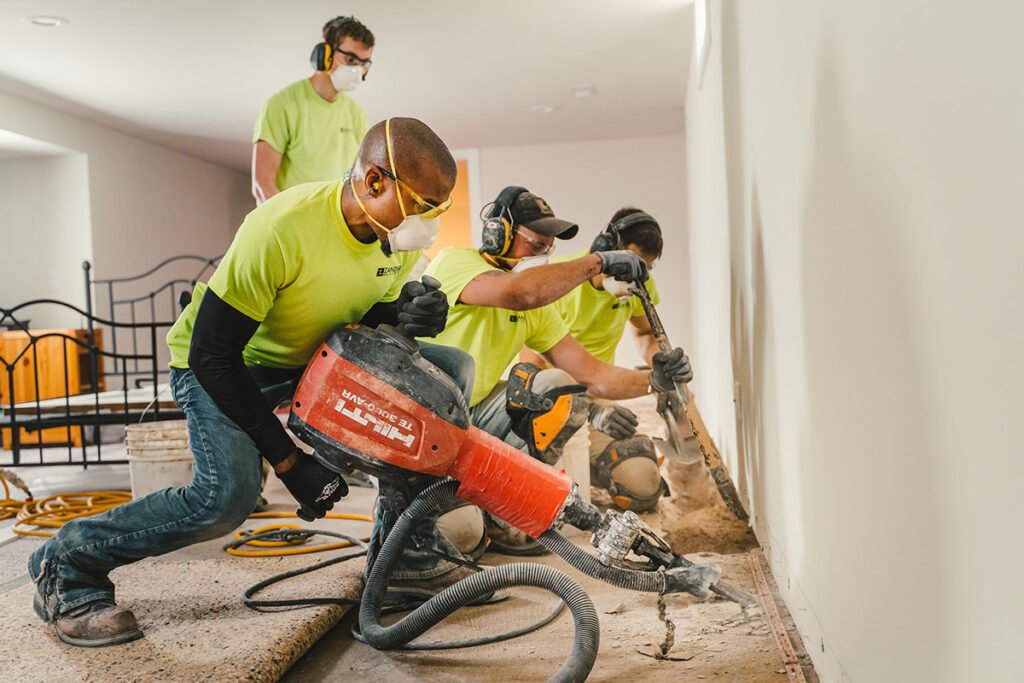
(552, 378)
(463, 527)
(629, 469)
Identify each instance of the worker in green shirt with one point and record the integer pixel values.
(597, 312)
(309, 260)
(310, 131)
(502, 299)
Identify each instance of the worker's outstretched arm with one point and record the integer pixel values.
(610, 381)
(531, 288)
(601, 379)
(265, 162)
(546, 284)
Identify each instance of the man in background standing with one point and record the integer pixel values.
(310, 131)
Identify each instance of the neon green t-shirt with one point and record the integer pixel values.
(492, 336)
(295, 267)
(319, 140)
(596, 318)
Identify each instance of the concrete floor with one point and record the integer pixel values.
(714, 640)
(188, 603)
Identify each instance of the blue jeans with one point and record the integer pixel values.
(72, 568)
(225, 485)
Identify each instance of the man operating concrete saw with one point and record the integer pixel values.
(308, 260)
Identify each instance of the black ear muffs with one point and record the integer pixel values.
(499, 228)
(322, 57)
(608, 239)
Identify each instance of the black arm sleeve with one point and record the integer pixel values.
(219, 335)
(381, 313)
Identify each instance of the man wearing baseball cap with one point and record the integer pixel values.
(501, 299)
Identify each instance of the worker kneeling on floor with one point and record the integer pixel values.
(305, 262)
(501, 299)
(624, 463)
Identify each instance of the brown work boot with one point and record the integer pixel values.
(412, 591)
(96, 624)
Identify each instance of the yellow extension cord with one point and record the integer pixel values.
(54, 512)
(296, 547)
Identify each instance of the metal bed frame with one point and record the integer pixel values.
(135, 327)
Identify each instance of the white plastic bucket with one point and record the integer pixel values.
(158, 456)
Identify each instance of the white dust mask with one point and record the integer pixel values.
(414, 233)
(528, 262)
(347, 78)
(617, 288)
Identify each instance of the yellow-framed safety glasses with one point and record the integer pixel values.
(422, 207)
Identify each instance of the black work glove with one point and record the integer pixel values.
(669, 369)
(422, 308)
(612, 419)
(315, 487)
(623, 265)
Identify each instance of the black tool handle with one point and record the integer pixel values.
(658, 330)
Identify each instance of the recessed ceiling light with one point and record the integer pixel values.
(583, 91)
(45, 21)
(542, 108)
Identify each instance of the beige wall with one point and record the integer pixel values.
(147, 201)
(587, 182)
(856, 193)
(44, 235)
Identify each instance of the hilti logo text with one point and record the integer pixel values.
(365, 412)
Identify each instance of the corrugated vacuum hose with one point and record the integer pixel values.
(587, 628)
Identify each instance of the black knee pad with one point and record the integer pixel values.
(545, 421)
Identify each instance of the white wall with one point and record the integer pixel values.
(587, 182)
(44, 235)
(856, 177)
(147, 201)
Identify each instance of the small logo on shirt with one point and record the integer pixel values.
(343, 129)
(388, 270)
(514, 318)
(619, 305)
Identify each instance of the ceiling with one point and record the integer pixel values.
(191, 74)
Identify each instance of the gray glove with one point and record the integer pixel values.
(669, 369)
(612, 419)
(623, 265)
